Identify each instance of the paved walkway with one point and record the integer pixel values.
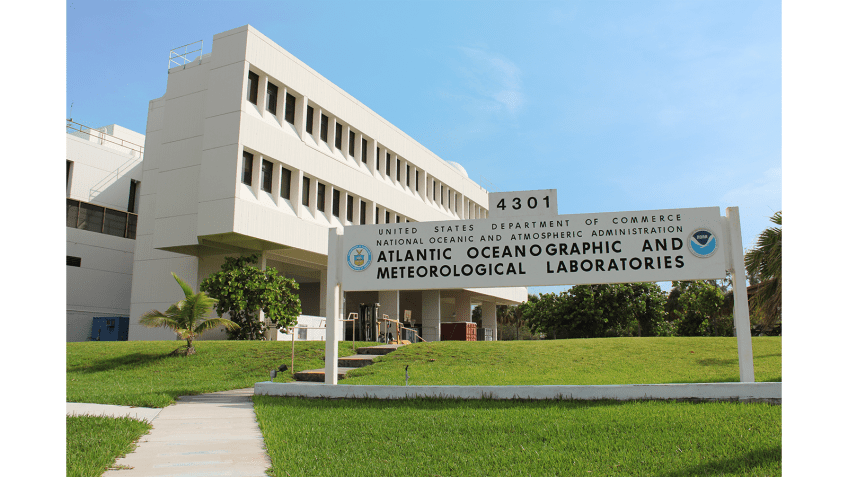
(212, 434)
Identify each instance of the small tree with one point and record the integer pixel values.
(242, 290)
(186, 317)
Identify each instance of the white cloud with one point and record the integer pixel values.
(493, 79)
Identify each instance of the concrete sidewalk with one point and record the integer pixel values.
(204, 435)
(110, 410)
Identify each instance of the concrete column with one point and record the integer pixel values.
(372, 156)
(297, 192)
(322, 294)
(371, 213)
(463, 306)
(343, 207)
(431, 319)
(356, 210)
(389, 305)
(313, 196)
(346, 142)
(300, 117)
(490, 318)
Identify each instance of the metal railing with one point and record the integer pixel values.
(175, 56)
(102, 136)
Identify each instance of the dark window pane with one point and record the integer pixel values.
(364, 151)
(320, 203)
(90, 217)
(68, 173)
(132, 200)
(73, 261)
(377, 216)
(271, 98)
(115, 223)
(290, 105)
(305, 198)
(397, 219)
(407, 175)
(73, 213)
(416, 180)
(351, 143)
(310, 112)
(132, 223)
(388, 217)
(338, 138)
(267, 170)
(325, 126)
(388, 164)
(252, 86)
(285, 183)
(378, 158)
(336, 199)
(247, 168)
(397, 170)
(361, 212)
(350, 208)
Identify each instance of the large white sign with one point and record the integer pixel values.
(612, 247)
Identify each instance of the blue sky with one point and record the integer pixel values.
(618, 105)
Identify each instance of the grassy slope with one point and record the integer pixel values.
(484, 437)
(93, 443)
(588, 361)
(140, 373)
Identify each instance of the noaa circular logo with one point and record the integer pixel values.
(703, 243)
(358, 258)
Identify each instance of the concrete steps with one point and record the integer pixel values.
(364, 357)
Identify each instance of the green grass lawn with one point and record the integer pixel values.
(93, 443)
(578, 361)
(140, 373)
(432, 437)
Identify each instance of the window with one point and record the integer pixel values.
(73, 213)
(378, 158)
(310, 112)
(434, 190)
(388, 164)
(114, 222)
(361, 212)
(338, 138)
(247, 168)
(397, 169)
(377, 216)
(267, 170)
(68, 173)
(305, 196)
(325, 125)
(364, 151)
(388, 217)
(350, 208)
(73, 261)
(285, 184)
(132, 204)
(351, 143)
(290, 104)
(397, 219)
(90, 218)
(407, 175)
(336, 199)
(442, 194)
(94, 218)
(271, 98)
(416, 180)
(449, 199)
(252, 86)
(320, 203)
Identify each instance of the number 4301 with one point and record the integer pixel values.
(531, 203)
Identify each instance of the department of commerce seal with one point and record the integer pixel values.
(703, 243)
(358, 258)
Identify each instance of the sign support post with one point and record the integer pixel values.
(741, 320)
(334, 293)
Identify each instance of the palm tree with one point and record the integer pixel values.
(763, 263)
(187, 317)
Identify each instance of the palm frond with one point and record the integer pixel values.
(185, 286)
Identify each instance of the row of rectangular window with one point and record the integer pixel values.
(271, 105)
(95, 218)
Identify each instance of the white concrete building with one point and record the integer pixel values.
(251, 151)
(103, 183)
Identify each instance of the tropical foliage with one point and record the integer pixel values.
(187, 317)
(242, 290)
(763, 265)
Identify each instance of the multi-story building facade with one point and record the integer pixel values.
(251, 151)
(103, 185)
